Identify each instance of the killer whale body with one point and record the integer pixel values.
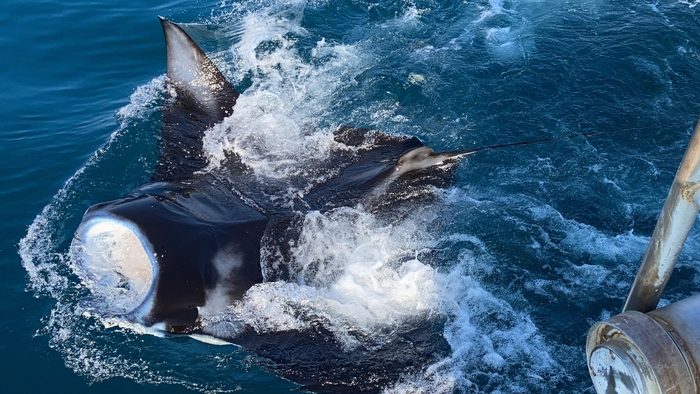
(165, 246)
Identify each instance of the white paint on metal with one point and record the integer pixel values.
(655, 353)
(613, 371)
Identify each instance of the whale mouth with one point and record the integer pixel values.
(115, 261)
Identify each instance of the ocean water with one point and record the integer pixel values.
(531, 246)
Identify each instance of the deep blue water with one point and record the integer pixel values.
(537, 242)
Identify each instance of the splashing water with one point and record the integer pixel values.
(510, 265)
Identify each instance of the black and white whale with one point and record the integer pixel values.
(155, 255)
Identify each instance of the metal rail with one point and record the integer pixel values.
(643, 350)
(676, 220)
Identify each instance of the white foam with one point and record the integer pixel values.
(503, 27)
(357, 275)
(269, 24)
(509, 346)
(36, 251)
(583, 238)
(351, 271)
(143, 102)
(690, 3)
(100, 348)
(276, 127)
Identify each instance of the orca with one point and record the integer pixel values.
(154, 255)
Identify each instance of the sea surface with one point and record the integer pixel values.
(531, 246)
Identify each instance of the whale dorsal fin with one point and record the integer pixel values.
(195, 75)
(201, 98)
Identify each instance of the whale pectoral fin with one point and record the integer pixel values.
(424, 157)
(413, 177)
(200, 98)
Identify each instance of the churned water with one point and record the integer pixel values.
(531, 246)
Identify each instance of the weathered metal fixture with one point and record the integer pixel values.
(643, 350)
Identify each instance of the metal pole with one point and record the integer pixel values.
(676, 220)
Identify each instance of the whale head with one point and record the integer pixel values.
(162, 252)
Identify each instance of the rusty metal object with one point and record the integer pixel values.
(643, 350)
(658, 352)
(675, 221)
(681, 320)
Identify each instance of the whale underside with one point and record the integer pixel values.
(157, 255)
